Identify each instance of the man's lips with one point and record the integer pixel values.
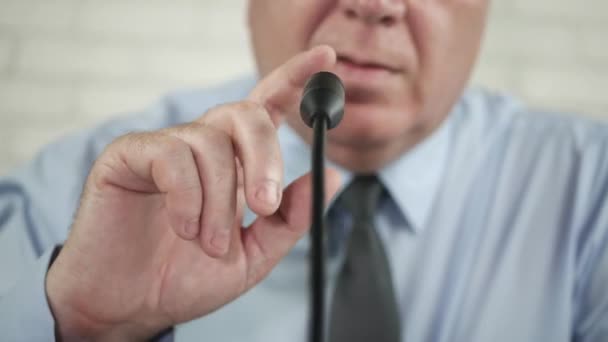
(365, 65)
(364, 74)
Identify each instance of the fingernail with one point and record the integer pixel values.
(268, 192)
(192, 229)
(221, 241)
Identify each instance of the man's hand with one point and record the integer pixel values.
(158, 237)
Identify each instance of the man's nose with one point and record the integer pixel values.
(385, 12)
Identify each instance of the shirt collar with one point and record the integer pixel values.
(413, 180)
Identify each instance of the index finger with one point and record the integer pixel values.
(282, 87)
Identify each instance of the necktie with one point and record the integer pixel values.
(364, 306)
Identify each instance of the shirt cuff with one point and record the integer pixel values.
(165, 336)
(25, 312)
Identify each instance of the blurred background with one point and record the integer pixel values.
(67, 64)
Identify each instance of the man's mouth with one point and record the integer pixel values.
(351, 63)
(361, 73)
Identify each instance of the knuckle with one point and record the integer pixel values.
(172, 147)
(218, 139)
(205, 138)
(233, 114)
(216, 115)
(127, 145)
(246, 106)
(174, 130)
(214, 148)
(258, 126)
(261, 128)
(174, 159)
(132, 139)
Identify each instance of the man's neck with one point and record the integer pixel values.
(360, 156)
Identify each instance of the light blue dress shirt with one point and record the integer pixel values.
(496, 228)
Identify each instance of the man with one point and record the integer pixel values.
(494, 219)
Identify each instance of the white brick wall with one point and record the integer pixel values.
(66, 64)
(6, 48)
(552, 53)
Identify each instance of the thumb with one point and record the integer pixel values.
(269, 239)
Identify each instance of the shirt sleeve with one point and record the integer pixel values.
(592, 325)
(35, 214)
(591, 290)
(37, 204)
(592, 322)
(25, 313)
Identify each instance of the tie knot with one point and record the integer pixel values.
(361, 196)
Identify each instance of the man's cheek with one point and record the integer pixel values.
(312, 15)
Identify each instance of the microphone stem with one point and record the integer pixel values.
(317, 247)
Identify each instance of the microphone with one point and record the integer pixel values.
(323, 96)
(322, 108)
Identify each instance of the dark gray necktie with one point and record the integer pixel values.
(364, 306)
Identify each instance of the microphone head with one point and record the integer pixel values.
(323, 96)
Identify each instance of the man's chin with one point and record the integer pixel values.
(360, 139)
(371, 125)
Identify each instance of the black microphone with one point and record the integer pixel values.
(323, 96)
(322, 108)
